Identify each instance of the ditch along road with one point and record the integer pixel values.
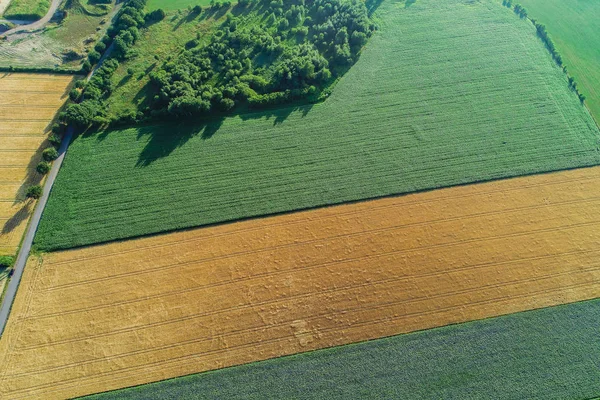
(19, 267)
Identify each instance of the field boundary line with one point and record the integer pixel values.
(298, 221)
(313, 241)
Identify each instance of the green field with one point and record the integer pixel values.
(27, 9)
(169, 5)
(431, 103)
(545, 354)
(574, 26)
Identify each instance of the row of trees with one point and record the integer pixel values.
(275, 52)
(88, 98)
(548, 42)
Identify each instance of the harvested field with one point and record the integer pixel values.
(520, 351)
(28, 103)
(127, 313)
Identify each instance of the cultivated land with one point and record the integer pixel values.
(575, 28)
(544, 354)
(131, 312)
(28, 104)
(27, 9)
(431, 103)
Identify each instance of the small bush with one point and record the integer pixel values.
(34, 192)
(43, 168)
(50, 154)
(6, 261)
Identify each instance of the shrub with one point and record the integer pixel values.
(43, 168)
(94, 57)
(50, 154)
(6, 261)
(34, 192)
(55, 140)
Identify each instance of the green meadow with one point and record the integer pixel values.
(27, 9)
(445, 93)
(169, 5)
(574, 26)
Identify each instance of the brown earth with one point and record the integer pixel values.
(127, 313)
(28, 104)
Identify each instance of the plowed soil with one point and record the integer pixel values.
(28, 104)
(127, 313)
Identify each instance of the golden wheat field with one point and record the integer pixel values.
(28, 104)
(126, 313)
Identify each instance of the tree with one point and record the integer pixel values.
(34, 192)
(43, 168)
(6, 261)
(50, 154)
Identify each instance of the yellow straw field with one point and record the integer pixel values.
(127, 313)
(28, 104)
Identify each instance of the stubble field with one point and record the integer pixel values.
(430, 103)
(132, 312)
(28, 104)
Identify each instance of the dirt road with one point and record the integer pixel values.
(37, 24)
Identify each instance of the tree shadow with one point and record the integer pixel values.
(409, 3)
(373, 5)
(186, 19)
(164, 139)
(20, 216)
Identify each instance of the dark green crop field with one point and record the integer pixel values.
(574, 26)
(445, 93)
(545, 354)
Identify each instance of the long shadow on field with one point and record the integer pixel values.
(164, 139)
(17, 219)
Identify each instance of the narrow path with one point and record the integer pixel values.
(39, 24)
(13, 284)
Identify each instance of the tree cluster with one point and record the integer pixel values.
(88, 107)
(275, 52)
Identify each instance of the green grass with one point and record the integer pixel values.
(574, 26)
(545, 354)
(431, 103)
(27, 9)
(169, 5)
(157, 42)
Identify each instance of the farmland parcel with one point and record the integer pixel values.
(575, 28)
(28, 103)
(127, 313)
(548, 354)
(431, 103)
